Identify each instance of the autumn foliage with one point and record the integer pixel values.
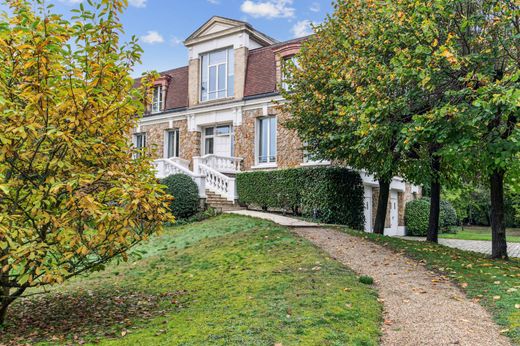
(71, 196)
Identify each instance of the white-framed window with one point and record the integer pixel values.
(172, 143)
(217, 74)
(310, 159)
(212, 133)
(293, 59)
(139, 142)
(209, 140)
(157, 99)
(266, 140)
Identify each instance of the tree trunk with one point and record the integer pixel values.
(435, 202)
(3, 312)
(382, 205)
(498, 228)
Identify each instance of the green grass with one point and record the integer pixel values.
(480, 233)
(493, 283)
(229, 280)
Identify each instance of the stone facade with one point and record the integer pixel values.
(240, 71)
(193, 82)
(402, 199)
(189, 142)
(289, 153)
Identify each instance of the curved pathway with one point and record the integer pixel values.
(420, 306)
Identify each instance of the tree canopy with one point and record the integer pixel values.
(71, 197)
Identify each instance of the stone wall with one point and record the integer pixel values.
(193, 82)
(189, 141)
(289, 153)
(404, 198)
(241, 55)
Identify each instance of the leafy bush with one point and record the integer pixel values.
(417, 214)
(185, 193)
(367, 280)
(448, 215)
(330, 194)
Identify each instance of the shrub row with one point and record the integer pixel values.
(417, 214)
(329, 194)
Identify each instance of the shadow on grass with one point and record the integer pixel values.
(103, 313)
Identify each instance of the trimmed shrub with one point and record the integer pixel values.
(330, 194)
(417, 214)
(185, 193)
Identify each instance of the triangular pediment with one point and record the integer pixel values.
(220, 26)
(214, 26)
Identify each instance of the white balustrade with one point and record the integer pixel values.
(167, 167)
(222, 164)
(218, 182)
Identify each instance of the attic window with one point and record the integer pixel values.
(158, 99)
(217, 74)
(287, 62)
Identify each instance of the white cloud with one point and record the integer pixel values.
(174, 41)
(152, 37)
(268, 9)
(214, 2)
(302, 28)
(315, 7)
(137, 3)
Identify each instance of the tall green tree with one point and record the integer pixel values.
(71, 197)
(475, 65)
(345, 98)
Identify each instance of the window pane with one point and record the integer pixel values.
(223, 130)
(204, 78)
(177, 143)
(219, 57)
(263, 147)
(209, 131)
(212, 82)
(208, 147)
(272, 139)
(173, 143)
(222, 81)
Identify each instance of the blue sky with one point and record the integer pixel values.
(162, 25)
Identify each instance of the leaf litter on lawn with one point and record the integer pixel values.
(73, 316)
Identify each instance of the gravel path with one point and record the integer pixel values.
(420, 307)
(482, 246)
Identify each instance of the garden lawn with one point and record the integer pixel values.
(481, 233)
(493, 283)
(230, 280)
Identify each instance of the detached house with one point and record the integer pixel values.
(217, 116)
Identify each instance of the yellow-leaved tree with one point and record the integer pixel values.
(71, 196)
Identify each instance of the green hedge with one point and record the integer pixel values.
(331, 194)
(417, 214)
(185, 192)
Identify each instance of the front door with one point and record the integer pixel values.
(394, 213)
(218, 140)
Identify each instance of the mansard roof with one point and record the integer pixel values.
(261, 78)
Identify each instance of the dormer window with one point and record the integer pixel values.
(217, 75)
(288, 61)
(157, 99)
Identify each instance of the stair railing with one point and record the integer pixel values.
(223, 164)
(217, 182)
(167, 167)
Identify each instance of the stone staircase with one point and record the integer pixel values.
(218, 202)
